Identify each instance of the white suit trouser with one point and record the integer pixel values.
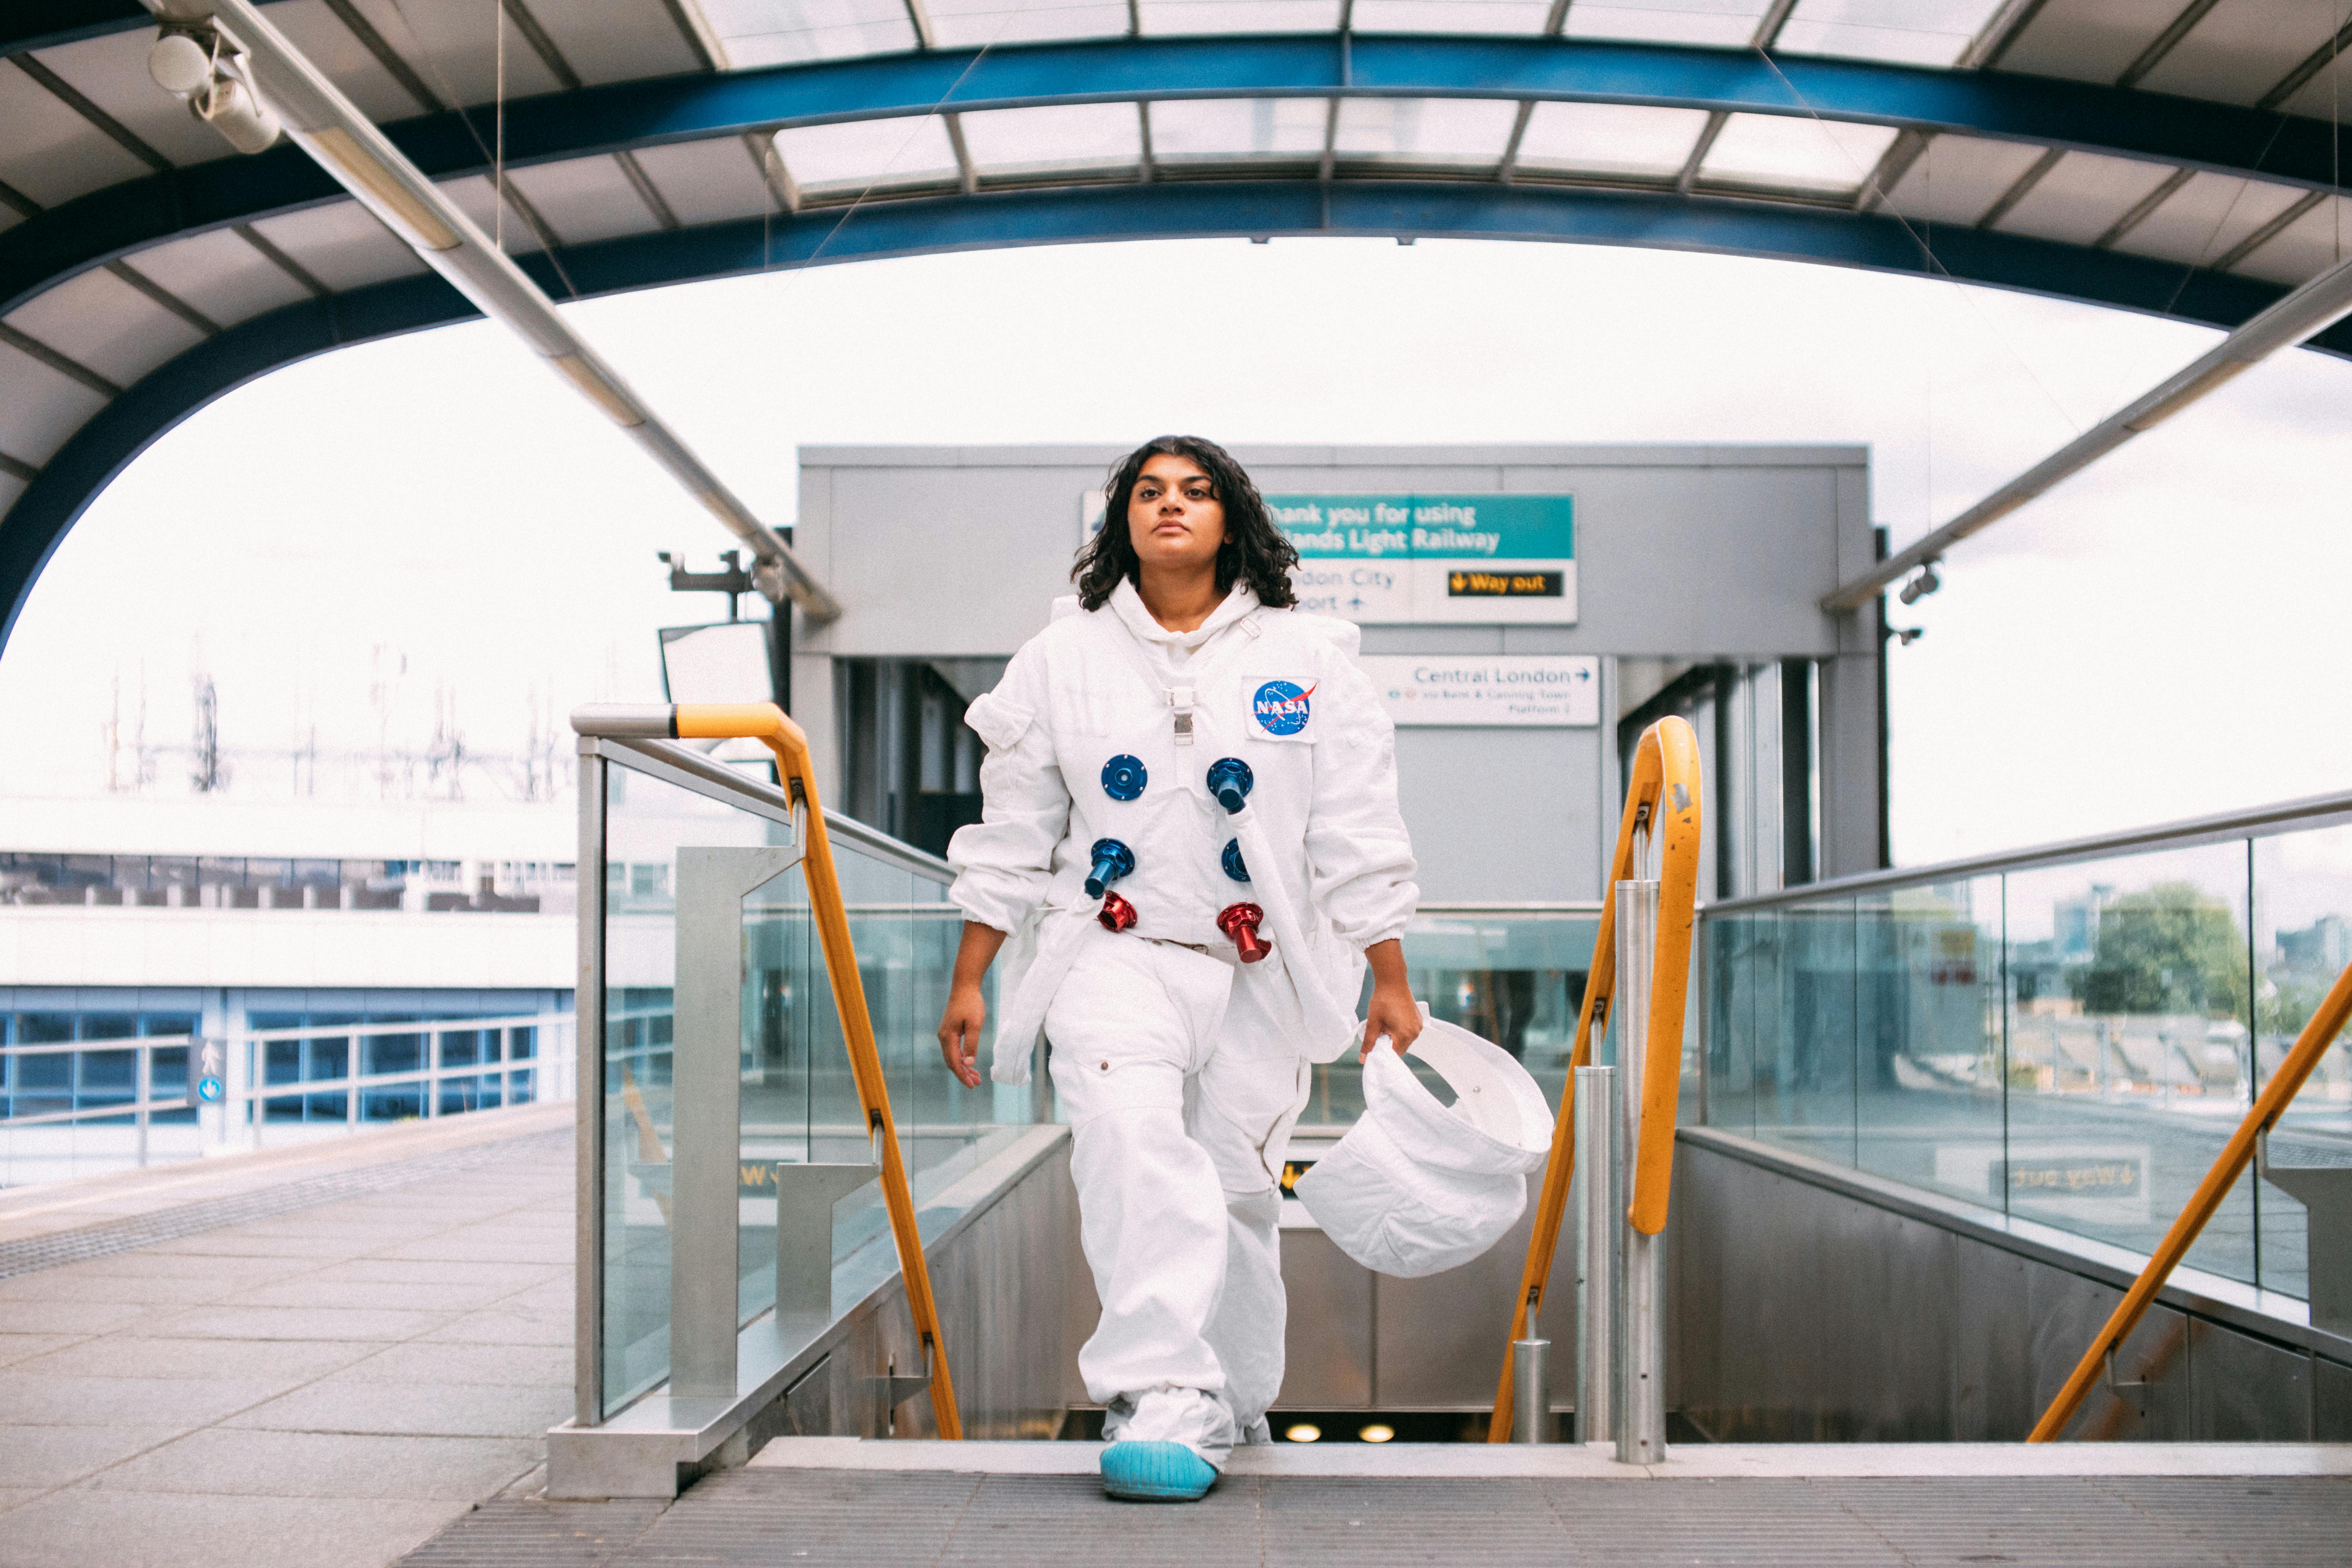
(1181, 1094)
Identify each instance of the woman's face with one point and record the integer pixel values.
(1173, 516)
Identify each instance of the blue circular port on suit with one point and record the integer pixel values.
(1230, 780)
(1232, 861)
(1123, 777)
(1111, 860)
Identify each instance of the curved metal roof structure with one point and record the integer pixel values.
(2173, 156)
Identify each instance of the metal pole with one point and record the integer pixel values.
(1642, 1404)
(1600, 1211)
(1531, 1386)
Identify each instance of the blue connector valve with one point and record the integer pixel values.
(1230, 781)
(1112, 860)
(1232, 861)
(1123, 777)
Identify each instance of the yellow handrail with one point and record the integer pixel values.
(2309, 1047)
(766, 722)
(1663, 798)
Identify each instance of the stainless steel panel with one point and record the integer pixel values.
(2331, 1401)
(707, 1083)
(1596, 1211)
(1641, 1325)
(2243, 1391)
(588, 1080)
(1437, 1342)
(1327, 1338)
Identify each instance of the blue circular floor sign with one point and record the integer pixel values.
(208, 1089)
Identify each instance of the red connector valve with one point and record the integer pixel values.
(1239, 922)
(1117, 914)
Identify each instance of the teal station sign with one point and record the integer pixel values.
(1401, 558)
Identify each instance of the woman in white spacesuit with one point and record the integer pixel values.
(1190, 804)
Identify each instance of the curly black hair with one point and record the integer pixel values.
(1255, 551)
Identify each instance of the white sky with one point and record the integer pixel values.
(2160, 638)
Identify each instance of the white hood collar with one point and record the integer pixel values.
(1127, 605)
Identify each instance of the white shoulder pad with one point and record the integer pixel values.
(1345, 635)
(998, 720)
(1064, 606)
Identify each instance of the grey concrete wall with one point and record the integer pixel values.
(1690, 552)
(1800, 1312)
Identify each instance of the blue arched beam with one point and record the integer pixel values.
(2225, 137)
(125, 428)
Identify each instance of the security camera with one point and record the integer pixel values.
(228, 107)
(1919, 587)
(190, 68)
(1906, 636)
(180, 65)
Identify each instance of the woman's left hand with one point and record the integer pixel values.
(1392, 1011)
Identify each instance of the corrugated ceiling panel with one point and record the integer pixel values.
(1730, 23)
(51, 153)
(2089, 40)
(2242, 48)
(218, 273)
(585, 199)
(2312, 243)
(1240, 15)
(615, 40)
(2207, 218)
(1425, 130)
(913, 149)
(1907, 32)
(342, 245)
(1219, 128)
(1788, 152)
(769, 32)
(1613, 139)
(708, 182)
(112, 72)
(336, 50)
(1069, 136)
(2327, 95)
(502, 222)
(39, 407)
(1450, 15)
(1959, 178)
(452, 44)
(97, 320)
(978, 24)
(2081, 198)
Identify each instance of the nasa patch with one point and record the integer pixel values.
(1280, 707)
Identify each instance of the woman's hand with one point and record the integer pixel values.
(1392, 1011)
(959, 1027)
(967, 1011)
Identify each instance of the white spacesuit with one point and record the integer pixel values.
(1180, 1063)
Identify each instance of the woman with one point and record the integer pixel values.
(1182, 772)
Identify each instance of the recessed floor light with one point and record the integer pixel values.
(1376, 1433)
(1304, 1433)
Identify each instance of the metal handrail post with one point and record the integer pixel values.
(1641, 1317)
(1598, 1208)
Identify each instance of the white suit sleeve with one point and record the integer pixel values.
(1359, 855)
(1004, 862)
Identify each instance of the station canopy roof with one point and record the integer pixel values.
(2174, 156)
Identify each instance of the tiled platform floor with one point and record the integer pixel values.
(322, 1388)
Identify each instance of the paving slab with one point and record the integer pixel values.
(184, 1403)
(426, 1360)
(130, 1355)
(155, 1530)
(445, 1272)
(118, 1289)
(436, 1409)
(424, 1296)
(32, 1455)
(15, 1348)
(67, 1317)
(496, 1327)
(251, 1322)
(326, 1463)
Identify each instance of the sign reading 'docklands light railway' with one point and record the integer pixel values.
(1561, 692)
(1400, 558)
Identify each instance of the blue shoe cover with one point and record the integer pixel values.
(1156, 1472)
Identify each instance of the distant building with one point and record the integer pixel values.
(2323, 947)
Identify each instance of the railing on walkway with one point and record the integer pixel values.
(80, 1106)
(2066, 1035)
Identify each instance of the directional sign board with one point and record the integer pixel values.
(1561, 692)
(1395, 559)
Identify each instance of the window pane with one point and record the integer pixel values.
(2303, 940)
(1425, 130)
(777, 32)
(1727, 22)
(1795, 152)
(1077, 135)
(1240, 15)
(1450, 15)
(1929, 1102)
(1220, 128)
(1909, 32)
(1627, 140)
(904, 151)
(979, 24)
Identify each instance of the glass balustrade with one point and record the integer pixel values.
(2066, 1038)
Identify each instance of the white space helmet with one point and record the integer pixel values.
(1416, 1188)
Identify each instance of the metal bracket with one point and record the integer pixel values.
(804, 1198)
(2134, 1394)
(893, 1390)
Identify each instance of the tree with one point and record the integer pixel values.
(2171, 948)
